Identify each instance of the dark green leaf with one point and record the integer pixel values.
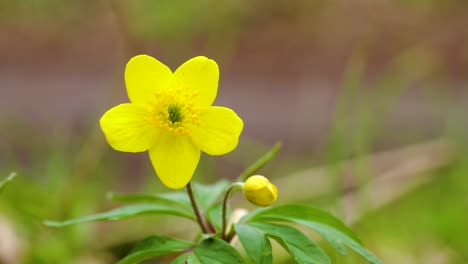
(295, 242)
(324, 223)
(207, 195)
(124, 213)
(255, 243)
(215, 251)
(215, 215)
(153, 247)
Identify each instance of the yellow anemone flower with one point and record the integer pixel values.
(171, 115)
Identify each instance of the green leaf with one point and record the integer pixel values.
(302, 248)
(192, 259)
(214, 215)
(182, 259)
(153, 247)
(179, 199)
(324, 223)
(255, 243)
(215, 251)
(6, 181)
(124, 213)
(207, 195)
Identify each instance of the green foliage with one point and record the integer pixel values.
(255, 243)
(254, 230)
(324, 223)
(124, 213)
(301, 248)
(214, 251)
(155, 246)
(207, 195)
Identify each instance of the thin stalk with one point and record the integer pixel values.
(233, 187)
(262, 161)
(195, 208)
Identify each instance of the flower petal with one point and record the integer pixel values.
(144, 75)
(219, 130)
(200, 74)
(175, 159)
(126, 128)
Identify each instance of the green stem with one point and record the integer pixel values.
(262, 161)
(232, 188)
(195, 208)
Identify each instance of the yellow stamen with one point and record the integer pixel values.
(174, 110)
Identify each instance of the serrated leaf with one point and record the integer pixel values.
(256, 244)
(6, 181)
(124, 213)
(324, 223)
(215, 251)
(153, 247)
(301, 248)
(215, 214)
(207, 195)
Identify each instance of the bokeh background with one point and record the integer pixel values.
(369, 99)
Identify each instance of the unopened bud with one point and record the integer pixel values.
(260, 191)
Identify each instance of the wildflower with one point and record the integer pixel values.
(260, 191)
(171, 115)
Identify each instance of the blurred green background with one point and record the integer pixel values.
(369, 98)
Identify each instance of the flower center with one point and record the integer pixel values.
(174, 110)
(175, 114)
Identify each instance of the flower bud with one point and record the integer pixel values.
(260, 191)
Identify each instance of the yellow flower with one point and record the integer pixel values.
(171, 115)
(260, 191)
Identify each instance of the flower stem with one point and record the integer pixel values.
(262, 161)
(195, 208)
(233, 187)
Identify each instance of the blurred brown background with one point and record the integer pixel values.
(282, 62)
